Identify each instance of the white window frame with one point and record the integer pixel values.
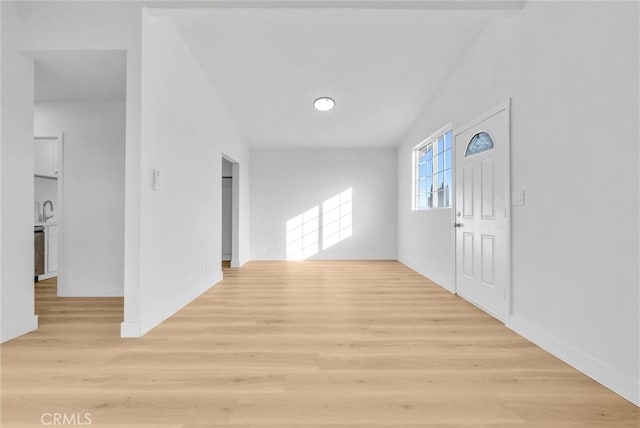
(415, 159)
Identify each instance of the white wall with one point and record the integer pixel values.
(17, 310)
(227, 168)
(2, 335)
(93, 212)
(33, 26)
(286, 183)
(480, 80)
(575, 154)
(185, 131)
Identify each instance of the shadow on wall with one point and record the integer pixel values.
(305, 237)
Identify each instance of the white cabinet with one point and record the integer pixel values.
(46, 157)
(52, 249)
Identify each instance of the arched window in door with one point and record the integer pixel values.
(481, 142)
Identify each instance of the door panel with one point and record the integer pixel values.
(467, 255)
(487, 256)
(482, 175)
(467, 191)
(487, 187)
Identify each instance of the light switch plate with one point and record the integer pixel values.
(517, 198)
(156, 180)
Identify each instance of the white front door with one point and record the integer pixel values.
(481, 211)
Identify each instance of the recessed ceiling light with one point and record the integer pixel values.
(324, 104)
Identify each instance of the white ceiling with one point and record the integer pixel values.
(97, 75)
(381, 66)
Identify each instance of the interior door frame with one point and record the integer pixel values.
(235, 210)
(505, 105)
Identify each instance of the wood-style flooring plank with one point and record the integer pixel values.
(340, 344)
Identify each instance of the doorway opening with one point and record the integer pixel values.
(79, 179)
(229, 206)
(48, 196)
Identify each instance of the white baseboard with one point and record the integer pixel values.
(146, 324)
(17, 330)
(130, 329)
(621, 383)
(416, 269)
(102, 293)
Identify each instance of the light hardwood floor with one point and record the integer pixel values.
(311, 344)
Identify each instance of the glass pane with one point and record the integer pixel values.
(440, 180)
(435, 189)
(422, 201)
(422, 170)
(479, 143)
(447, 159)
(447, 188)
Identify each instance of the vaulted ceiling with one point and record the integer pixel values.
(382, 66)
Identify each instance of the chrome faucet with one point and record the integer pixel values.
(45, 217)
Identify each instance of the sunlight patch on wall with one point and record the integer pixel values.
(336, 219)
(304, 237)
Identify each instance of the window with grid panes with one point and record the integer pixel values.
(432, 172)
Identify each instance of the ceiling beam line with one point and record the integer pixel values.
(340, 4)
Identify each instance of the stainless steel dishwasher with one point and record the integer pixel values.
(38, 245)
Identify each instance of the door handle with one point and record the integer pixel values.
(457, 224)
